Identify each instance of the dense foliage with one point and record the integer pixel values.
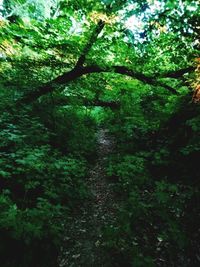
(70, 67)
(157, 179)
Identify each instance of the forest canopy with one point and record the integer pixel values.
(138, 39)
(70, 69)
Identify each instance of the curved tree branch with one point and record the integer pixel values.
(178, 73)
(80, 71)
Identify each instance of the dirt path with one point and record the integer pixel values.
(83, 245)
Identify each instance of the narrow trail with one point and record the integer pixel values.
(83, 244)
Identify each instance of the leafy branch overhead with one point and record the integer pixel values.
(80, 71)
(104, 44)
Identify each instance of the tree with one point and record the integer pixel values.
(68, 67)
(101, 27)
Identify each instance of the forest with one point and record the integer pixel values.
(99, 133)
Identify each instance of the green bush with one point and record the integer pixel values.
(40, 188)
